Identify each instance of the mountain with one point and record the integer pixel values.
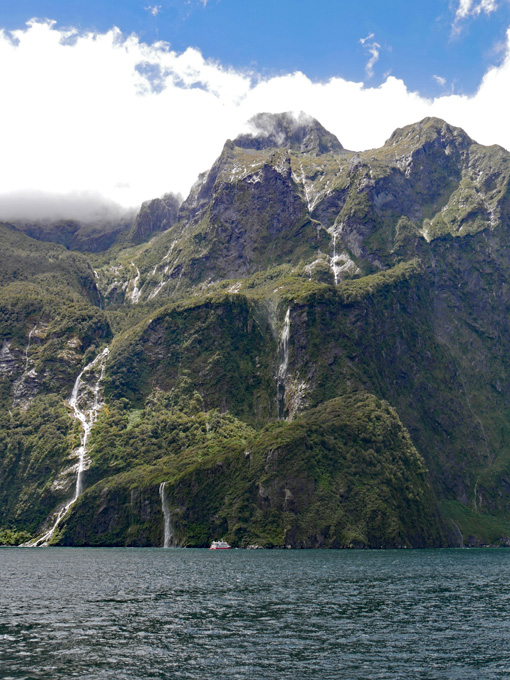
(310, 351)
(158, 214)
(84, 236)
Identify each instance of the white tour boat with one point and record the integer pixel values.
(220, 545)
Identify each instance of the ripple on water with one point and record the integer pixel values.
(138, 614)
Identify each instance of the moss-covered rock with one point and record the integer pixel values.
(342, 475)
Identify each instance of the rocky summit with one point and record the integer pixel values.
(311, 350)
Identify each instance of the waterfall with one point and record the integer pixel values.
(87, 417)
(85, 403)
(341, 263)
(27, 360)
(28, 372)
(167, 521)
(333, 261)
(281, 376)
(136, 292)
(459, 532)
(166, 271)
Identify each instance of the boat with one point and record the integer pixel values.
(220, 545)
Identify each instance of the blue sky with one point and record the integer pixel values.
(155, 100)
(416, 41)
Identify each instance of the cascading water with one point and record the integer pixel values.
(340, 262)
(28, 371)
(89, 416)
(168, 534)
(136, 292)
(27, 360)
(334, 260)
(167, 270)
(281, 375)
(85, 404)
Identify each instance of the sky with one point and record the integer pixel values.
(107, 103)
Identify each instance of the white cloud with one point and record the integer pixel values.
(105, 115)
(33, 205)
(154, 9)
(474, 8)
(373, 48)
(471, 8)
(440, 80)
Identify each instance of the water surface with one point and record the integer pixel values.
(154, 613)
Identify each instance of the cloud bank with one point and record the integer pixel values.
(108, 117)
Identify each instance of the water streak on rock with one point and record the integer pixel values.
(136, 292)
(19, 387)
(283, 366)
(168, 534)
(85, 403)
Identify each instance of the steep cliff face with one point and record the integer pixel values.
(351, 493)
(290, 193)
(219, 347)
(312, 350)
(156, 215)
(249, 212)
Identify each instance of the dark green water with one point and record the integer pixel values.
(152, 613)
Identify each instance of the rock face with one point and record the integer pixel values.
(8, 362)
(155, 216)
(289, 193)
(311, 350)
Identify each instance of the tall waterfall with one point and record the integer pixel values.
(85, 402)
(281, 375)
(167, 520)
(88, 395)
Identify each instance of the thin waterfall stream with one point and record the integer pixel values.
(168, 533)
(334, 263)
(85, 403)
(136, 292)
(28, 370)
(281, 375)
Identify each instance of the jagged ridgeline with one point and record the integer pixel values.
(312, 350)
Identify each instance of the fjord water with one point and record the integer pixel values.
(154, 613)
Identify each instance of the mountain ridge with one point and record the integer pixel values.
(300, 289)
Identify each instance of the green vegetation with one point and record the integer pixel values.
(11, 537)
(345, 474)
(477, 528)
(394, 382)
(34, 446)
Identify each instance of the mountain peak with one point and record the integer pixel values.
(300, 133)
(429, 130)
